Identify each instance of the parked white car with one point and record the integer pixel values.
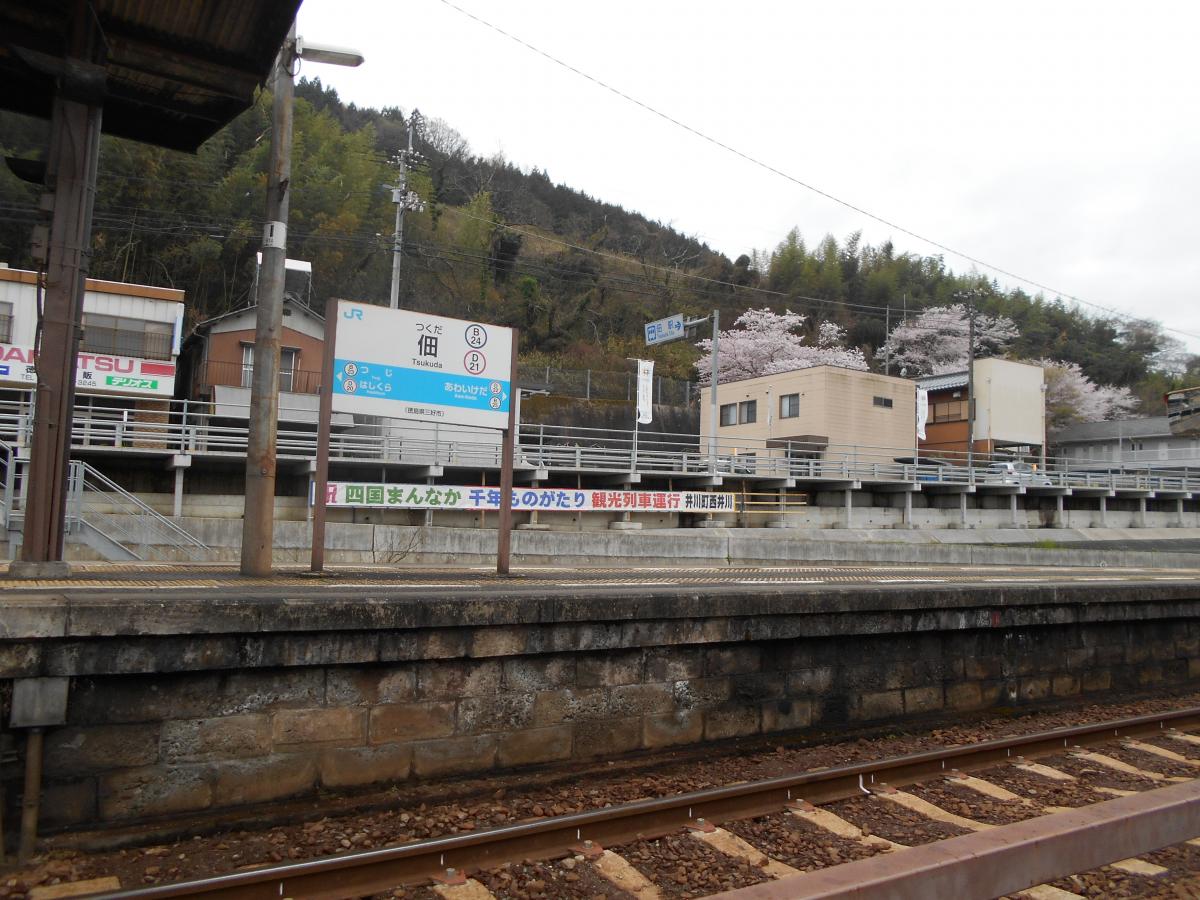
(1014, 473)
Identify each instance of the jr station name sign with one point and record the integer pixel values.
(409, 365)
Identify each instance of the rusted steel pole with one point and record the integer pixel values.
(508, 446)
(259, 518)
(325, 413)
(32, 796)
(71, 175)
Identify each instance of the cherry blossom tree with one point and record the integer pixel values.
(1072, 397)
(935, 342)
(763, 342)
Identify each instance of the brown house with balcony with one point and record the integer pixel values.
(220, 354)
(1010, 407)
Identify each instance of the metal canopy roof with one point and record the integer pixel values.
(174, 71)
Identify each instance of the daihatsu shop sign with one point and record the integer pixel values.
(95, 372)
(410, 365)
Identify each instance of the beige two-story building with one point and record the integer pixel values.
(819, 412)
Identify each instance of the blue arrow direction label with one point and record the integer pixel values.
(403, 385)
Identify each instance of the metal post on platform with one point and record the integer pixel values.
(507, 452)
(32, 794)
(324, 415)
(71, 166)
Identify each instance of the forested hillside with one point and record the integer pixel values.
(577, 275)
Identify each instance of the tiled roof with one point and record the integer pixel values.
(1154, 426)
(942, 382)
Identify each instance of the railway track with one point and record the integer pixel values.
(1098, 790)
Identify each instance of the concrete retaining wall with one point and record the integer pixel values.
(199, 704)
(378, 544)
(403, 545)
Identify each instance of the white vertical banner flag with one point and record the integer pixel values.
(645, 391)
(922, 412)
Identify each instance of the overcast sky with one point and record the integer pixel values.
(1059, 140)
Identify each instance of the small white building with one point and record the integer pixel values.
(127, 359)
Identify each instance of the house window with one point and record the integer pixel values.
(247, 364)
(287, 366)
(885, 402)
(6, 320)
(728, 414)
(789, 406)
(747, 412)
(949, 411)
(126, 337)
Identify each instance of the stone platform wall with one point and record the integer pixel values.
(184, 706)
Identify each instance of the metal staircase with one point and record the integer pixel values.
(101, 514)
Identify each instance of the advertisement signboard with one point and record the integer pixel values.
(402, 364)
(477, 497)
(96, 372)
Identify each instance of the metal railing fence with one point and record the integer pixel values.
(193, 428)
(234, 374)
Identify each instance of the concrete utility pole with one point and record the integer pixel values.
(404, 200)
(715, 410)
(970, 380)
(258, 524)
(887, 333)
(259, 519)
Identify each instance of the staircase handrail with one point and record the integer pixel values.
(179, 537)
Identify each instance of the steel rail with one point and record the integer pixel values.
(1007, 858)
(366, 872)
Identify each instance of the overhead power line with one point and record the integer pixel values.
(755, 161)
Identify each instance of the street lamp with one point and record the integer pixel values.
(328, 53)
(259, 518)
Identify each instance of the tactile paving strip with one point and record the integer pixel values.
(165, 578)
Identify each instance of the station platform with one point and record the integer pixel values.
(189, 688)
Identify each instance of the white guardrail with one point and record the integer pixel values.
(193, 428)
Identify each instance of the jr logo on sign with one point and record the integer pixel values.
(353, 314)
